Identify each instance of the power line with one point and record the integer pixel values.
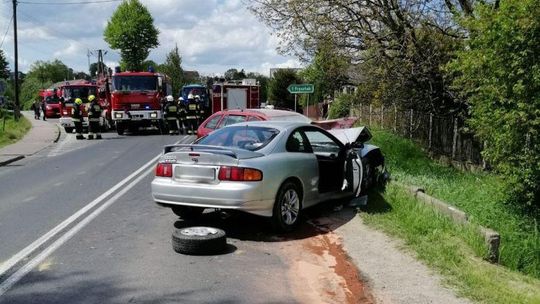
(68, 3)
(7, 29)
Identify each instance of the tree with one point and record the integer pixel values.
(499, 75)
(94, 67)
(131, 30)
(230, 74)
(277, 88)
(4, 66)
(47, 71)
(173, 68)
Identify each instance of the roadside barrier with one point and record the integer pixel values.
(492, 238)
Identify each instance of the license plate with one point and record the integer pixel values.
(194, 173)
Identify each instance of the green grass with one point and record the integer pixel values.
(451, 249)
(12, 130)
(454, 250)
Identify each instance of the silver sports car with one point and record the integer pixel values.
(272, 169)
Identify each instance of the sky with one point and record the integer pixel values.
(212, 35)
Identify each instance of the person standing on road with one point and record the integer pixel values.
(94, 114)
(36, 108)
(182, 115)
(171, 114)
(192, 115)
(77, 116)
(44, 109)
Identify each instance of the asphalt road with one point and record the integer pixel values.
(119, 250)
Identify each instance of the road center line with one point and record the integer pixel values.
(18, 257)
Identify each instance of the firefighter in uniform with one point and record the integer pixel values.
(202, 114)
(171, 114)
(182, 115)
(94, 113)
(192, 115)
(77, 117)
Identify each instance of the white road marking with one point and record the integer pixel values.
(17, 258)
(26, 200)
(58, 184)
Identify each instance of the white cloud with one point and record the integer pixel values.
(212, 35)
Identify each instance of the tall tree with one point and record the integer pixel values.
(277, 88)
(50, 71)
(499, 74)
(230, 74)
(4, 66)
(131, 30)
(173, 68)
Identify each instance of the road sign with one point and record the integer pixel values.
(300, 88)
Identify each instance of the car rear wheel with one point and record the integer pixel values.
(187, 213)
(368, 175)
(286, 208)
(119, 129)
(199, 240)
(68, 130)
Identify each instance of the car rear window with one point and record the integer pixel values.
(243, 137)
(213, 122)
(232, 119)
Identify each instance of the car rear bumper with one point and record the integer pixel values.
(243, 196)
(67, 122)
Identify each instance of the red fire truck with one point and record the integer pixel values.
(242, 94)
(68, 92)
(136, 100)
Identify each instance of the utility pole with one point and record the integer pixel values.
(17, 104)
(88, 54)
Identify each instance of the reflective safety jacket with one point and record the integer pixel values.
(182, 112)
(170, 111)
(192, 110)
(76, 112)
(94, 111)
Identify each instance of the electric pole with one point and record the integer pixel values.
(88, 54)
(17, 104)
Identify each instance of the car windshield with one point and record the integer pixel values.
(79, 92)
(135, 83)
(243, 137)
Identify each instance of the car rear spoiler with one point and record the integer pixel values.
(200, 148)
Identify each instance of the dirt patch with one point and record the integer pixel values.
(321, 271)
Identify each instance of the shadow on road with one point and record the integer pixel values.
(320, 219)
(43, 288)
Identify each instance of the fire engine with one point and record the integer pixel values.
(242, 94)
(68, 92)
(136, 99)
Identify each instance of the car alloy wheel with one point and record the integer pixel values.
(199, 240)
(287, 207)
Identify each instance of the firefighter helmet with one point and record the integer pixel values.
(78, 101)
(190, 96)
(197, 97)
(180, 98)
(170, 98)
(91, 97)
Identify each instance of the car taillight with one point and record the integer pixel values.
(239, 174)
(65, 112)
(164, 170)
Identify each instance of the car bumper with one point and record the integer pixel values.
(225, 195)
(67, 122)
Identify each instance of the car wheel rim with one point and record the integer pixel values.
(290, 205)
(198, 231)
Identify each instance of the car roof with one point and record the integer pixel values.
(269, 113)
(280, 125)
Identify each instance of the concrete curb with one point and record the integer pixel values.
(492, 238)
(11, 160)
(58, 134)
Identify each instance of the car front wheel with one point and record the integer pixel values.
(287, 207)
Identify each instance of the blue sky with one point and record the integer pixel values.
(212, 35)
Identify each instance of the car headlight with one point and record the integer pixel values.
(153, 115)
(118, 115)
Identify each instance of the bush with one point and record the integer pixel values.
(341, 106)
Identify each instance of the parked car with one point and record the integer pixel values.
(228, 117)
(272, 169)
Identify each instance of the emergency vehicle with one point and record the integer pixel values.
(68, 92)
(136, 99)
(230, 95)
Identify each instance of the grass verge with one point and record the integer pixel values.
(11, 130)
(456, 251)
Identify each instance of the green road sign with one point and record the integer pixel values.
(300, 88)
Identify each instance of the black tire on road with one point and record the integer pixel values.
(119, 129)
(199, 240)
(68, 130)
(187, 213)
(287, 208)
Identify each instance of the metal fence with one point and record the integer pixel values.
(440, 135)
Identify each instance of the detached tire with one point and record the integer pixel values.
(199, 240)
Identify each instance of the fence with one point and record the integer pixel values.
(440, 135)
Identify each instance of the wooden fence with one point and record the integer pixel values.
(440, 135)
